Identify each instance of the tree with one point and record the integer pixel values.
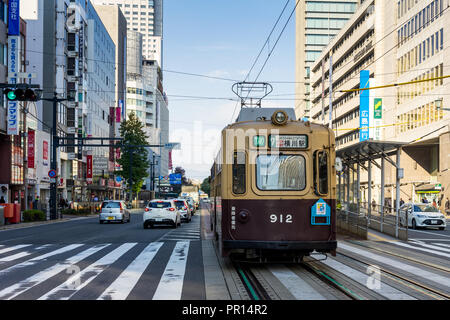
(205, 186)
(134, 160)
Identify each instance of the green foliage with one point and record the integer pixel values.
(34, 215)
(205, 186)
(132, 132)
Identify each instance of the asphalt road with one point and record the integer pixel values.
(430, 234)
(82, 259)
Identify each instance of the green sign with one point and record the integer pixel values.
(259, 141)
(377, 107)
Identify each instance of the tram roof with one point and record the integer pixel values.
(369, 149)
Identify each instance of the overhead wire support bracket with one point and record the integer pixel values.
(261, 90)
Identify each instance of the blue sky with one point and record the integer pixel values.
(222, 39)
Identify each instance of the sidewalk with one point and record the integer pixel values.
(39, 223)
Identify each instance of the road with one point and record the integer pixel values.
(106, 261)
(84, 260)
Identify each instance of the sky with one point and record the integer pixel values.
(220, 38)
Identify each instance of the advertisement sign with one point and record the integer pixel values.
(170, 160)
(13, 118)
(45, 150)
(377, 115)
(89, 168)
(13, 18)
(118, 114)
(13, 57)
(31, 148)
(122, 108)
(364, 108)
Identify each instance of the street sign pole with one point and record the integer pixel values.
(53, 163)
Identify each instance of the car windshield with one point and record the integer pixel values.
(159, 204)
(111, 205)
(179, 204)
(424, 208)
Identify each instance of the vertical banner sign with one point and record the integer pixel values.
(13, 67)
(89, 169)
(377, 115)
(45, 150)
(122, 108)
(330, 93)
(364, 108)
(13, 18)
(31, 148)
(118, 113)
(323, 91)
(170, 160)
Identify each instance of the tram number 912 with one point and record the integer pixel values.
(282, 218)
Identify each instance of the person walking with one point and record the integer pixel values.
(447, 206)
(434, 203)
(2, 200)
(401, 202)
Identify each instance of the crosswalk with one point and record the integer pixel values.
(439, 249)
(187, 231)
(167, 270)
(62, 272)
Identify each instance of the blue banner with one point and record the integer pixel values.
(364, 113)
(175, 178)
(13, 18)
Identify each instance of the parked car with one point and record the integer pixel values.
(423, 215)
(185, 211)
(161, 212)
(114, 210)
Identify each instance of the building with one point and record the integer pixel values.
(116, 24)
(101, 98)
(391, 43)
(145, 17)
(317, 22)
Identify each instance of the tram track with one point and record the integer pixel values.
(403, 280)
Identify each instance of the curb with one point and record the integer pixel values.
(25, 225)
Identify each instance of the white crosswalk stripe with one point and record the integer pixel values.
(171, 283)
(418, 246)
(22, 286)
(8, 249)
(187, 231)
(81, 279)
(441, 244)
(122, 286)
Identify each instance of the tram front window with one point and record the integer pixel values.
(280, 172)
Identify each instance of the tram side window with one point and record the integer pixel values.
(239, 173)
(321, 172)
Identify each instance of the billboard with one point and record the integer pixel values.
(175, 178)
(364, 106)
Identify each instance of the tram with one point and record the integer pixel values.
(273, 187)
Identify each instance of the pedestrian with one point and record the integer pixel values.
(374, 205)
(2, 200)
(447, 206)
(434, 203)
(401, 202)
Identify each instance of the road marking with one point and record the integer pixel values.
(427, 232)
(399, 265)
(22, 286)
(122, 286)
(380, 238)
(22, 254)
(298, 287)
(442, 244)
(8, 249)
(171, 283)
(385, 290)
(440, 253)
(83, 278)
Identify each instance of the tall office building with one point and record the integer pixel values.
(317, 22)
(145, 17)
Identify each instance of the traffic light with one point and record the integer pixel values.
(21, 94)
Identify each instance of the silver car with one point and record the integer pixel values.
(114, 210)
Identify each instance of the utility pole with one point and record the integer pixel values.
(25, 155)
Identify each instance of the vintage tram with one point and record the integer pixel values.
(273, 187)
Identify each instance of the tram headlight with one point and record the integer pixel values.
(279, 118)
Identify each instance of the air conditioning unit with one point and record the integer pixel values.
(72, 54)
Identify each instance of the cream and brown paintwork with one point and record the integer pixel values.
(253, 229)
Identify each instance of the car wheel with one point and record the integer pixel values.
(441, 228)
(145, 226)
(101, 221)
(414, 225)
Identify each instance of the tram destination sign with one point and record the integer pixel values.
(288, 141)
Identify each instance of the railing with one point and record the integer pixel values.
(351, 223)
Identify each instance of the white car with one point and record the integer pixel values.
(423, 215)
(114, 210)
(184, 209)
(161, 212)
